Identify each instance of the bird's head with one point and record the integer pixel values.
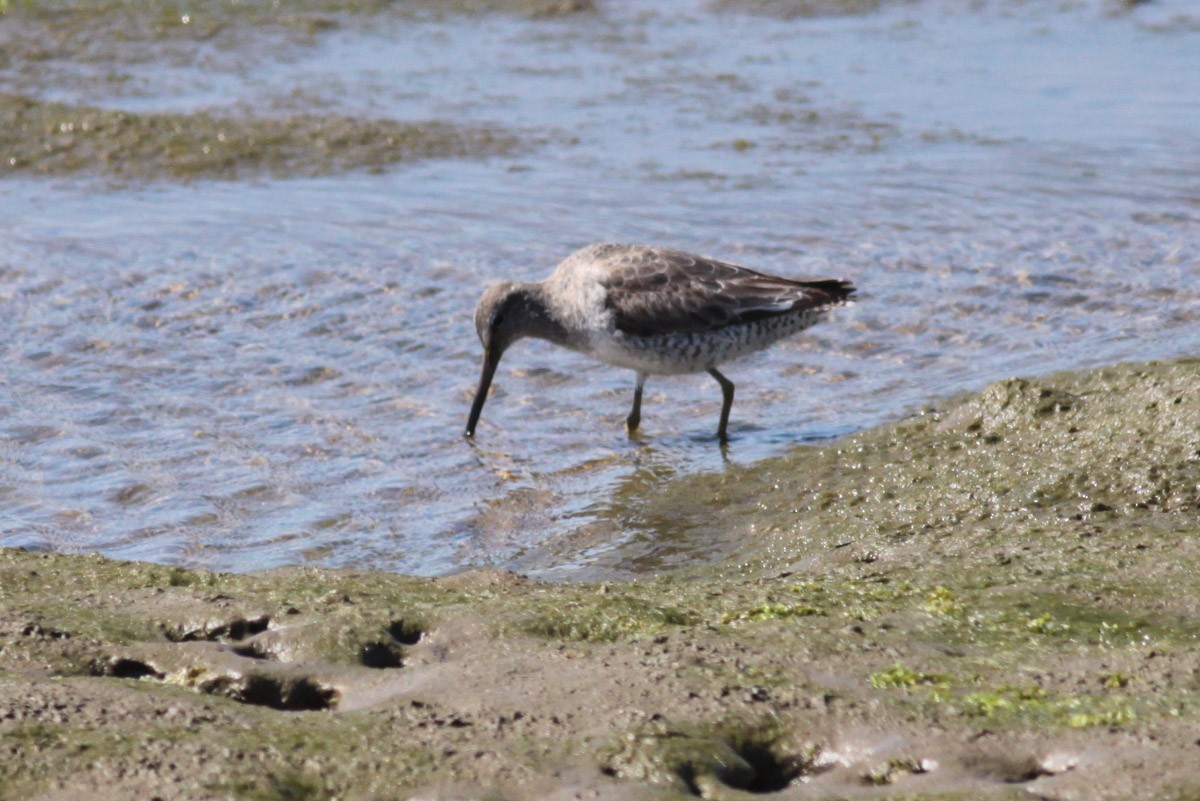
(506, 312)
(500, 315)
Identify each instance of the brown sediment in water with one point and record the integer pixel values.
(992, 599)
(95, 47)
(790, 9)
(45, 138)
(159, 18)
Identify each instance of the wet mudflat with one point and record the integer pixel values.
(1030, 631)
(53, 138)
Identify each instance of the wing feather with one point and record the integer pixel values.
(654, 291)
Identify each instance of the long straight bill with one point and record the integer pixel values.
(485, 381)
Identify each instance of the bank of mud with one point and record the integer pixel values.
(93, 44)
(51, 139)
(64, 63)
(995, 598)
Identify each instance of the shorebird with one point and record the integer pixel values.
(652, 310)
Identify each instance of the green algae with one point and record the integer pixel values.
(1019, 706)
(770, 611)
(900, 677)
(1033, 703)
(607, 618)
(45, 138)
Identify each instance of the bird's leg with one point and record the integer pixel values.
(727, 392)
(635, 416)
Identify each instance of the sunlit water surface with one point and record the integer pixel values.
(246, 375)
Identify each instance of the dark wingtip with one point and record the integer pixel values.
(837, 289)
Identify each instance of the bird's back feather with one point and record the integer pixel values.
(655, 291)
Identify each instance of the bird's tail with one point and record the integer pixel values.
(837, 291)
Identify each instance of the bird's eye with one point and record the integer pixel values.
(499, 319)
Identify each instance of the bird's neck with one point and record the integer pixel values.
(539, 317)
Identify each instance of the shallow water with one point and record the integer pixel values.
(244, 375)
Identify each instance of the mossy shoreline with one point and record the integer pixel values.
(51, 139)
(994, 598)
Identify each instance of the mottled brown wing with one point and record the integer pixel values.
(653, 292)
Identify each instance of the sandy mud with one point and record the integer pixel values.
(86, 48)
(994, 599)
(45, 138)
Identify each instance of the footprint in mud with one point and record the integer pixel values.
(247, 660)
(289, 694)
(248, 631)
(389, 652)
(212, 631)
(124, 668)
(707, 762)
(281, 690)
